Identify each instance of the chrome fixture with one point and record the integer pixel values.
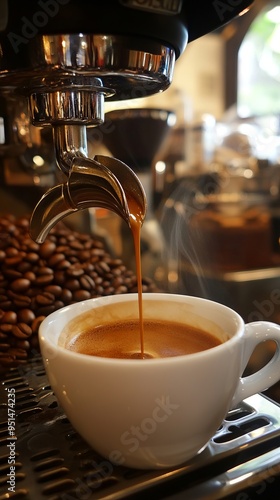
(68, 56)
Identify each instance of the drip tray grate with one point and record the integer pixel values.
(53, 462)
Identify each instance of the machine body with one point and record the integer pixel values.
(66, 57)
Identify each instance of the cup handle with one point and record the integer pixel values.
(256, 333)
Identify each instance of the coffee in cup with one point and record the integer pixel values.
(120, 339)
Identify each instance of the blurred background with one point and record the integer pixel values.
(207, 151)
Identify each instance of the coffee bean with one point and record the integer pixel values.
(75, 271)
(32, 257)
(6, 327)
(116, 282)
(44, 279)
(24, 267)
(36, 323)
(33, 246)
(9, 317)
(76, 245)
(11, 252)
(98, 252)
(46, 310)
(73, 260)
(106, 284)
(121, 289)
(18, 300)
(47, 249)
(79, 295)
(88, 267)
(22, 330)
(65, 249)
(62, 241)
(66, 296)
(63, 264)
(109, 290)
(59, 277)
(55, 259)
(45, 299)
(20, 285)
(116, 263)
(58, 304)
(116, 271)
(87, 283)
(11, 274)
(13, 261)
(23, 344)
(72, 284)
(6, 304)
(25, 316)
(83, 255)
(42, 271)
(29, 275)
(56, 290)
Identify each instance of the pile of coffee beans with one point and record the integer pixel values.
(36, 280)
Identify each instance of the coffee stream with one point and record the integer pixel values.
(136, 219)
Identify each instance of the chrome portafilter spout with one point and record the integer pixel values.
(102, 182)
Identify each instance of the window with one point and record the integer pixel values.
(258, 84)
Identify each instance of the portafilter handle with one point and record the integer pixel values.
(102, 182)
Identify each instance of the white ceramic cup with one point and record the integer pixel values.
(155, 413)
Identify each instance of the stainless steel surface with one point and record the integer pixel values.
(72, 100)
(53, 461)
(70, 141)
(101, 182)
(254, 471)
(112, 59)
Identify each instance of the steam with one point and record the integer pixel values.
(185, 243)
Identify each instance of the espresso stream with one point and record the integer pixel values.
(136, 219)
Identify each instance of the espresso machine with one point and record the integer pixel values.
(60, 60)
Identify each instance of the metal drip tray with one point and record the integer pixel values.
(53, 462)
